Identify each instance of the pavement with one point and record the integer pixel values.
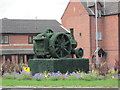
(56, 88)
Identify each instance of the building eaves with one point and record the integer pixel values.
(111, 8)
(87, 9)
(15, 51)
(29, 26)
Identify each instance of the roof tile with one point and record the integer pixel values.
(29, 26)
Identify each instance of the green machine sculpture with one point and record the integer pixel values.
(53, 52)
(56, 45)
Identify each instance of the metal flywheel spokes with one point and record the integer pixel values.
(61, 46)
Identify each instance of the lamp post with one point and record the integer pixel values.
(96, 25)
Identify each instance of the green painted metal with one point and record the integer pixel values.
(79, 52)
(56, 45)
(60, 45)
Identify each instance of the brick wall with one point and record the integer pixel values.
(77, 17)
(108, 25)
(110, 41)
(16, 41)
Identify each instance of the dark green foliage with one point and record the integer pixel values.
(56, 45)
(62, 65)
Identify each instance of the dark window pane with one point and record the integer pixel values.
(3, 39)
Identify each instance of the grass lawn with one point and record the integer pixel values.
(61, 83)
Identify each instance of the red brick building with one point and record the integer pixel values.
(16, 44)
(81, 17)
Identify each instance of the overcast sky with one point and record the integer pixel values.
(29, 9)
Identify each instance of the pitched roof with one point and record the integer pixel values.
(29, 26)
(0, 25)
(110, 7)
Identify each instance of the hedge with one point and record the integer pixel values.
(63, 65)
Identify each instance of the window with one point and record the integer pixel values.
(30, 39)
(8, 59)
(80, 34)
(3, 39)
(21, 59)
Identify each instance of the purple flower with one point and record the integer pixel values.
(38, 76)
(78, 75)
(54, 74)
(6, 74)
(24, 72)
(117, 75)
(14, 73)
(73, 73)
(65, 75)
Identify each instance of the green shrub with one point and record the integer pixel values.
(8, 76)
(100, 77)
(92, 76)
(88, 77)
(24, 76)
(54, 76)
(63, 65)
(71, 78)
(74, 76)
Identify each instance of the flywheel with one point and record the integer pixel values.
(60, 46)
(79, 52)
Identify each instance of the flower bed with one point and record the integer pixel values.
(59, 76)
